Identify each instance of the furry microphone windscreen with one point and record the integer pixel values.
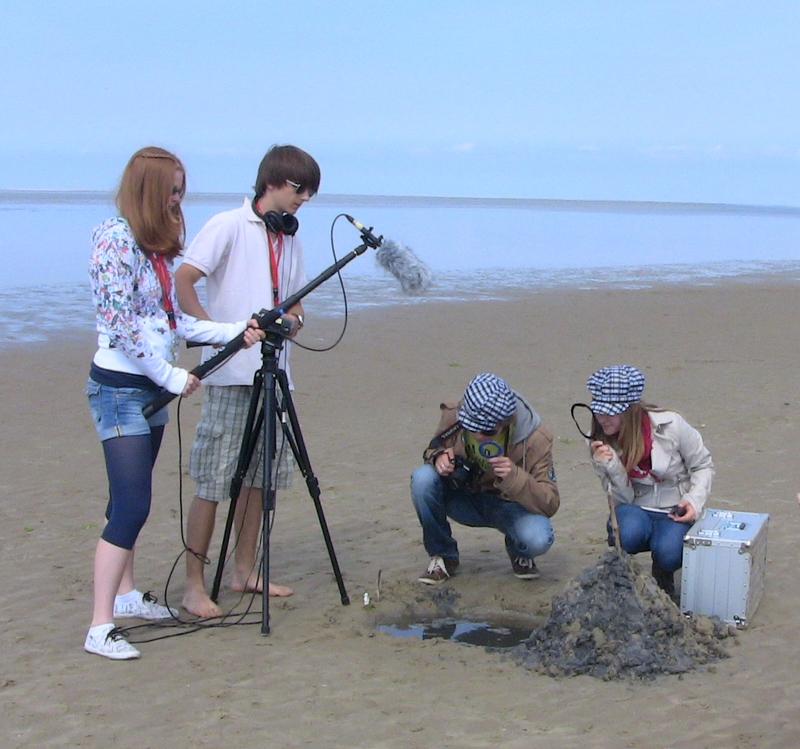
(414, 276)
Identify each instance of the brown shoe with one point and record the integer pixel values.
(439, 570)
(524, 568)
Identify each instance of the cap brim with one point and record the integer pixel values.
(608, 409)
(472, 425)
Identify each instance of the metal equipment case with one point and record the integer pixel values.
(724, 561)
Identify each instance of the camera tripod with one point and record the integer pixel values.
(266, 383)
(264, 413)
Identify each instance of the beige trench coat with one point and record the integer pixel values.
(681, 468)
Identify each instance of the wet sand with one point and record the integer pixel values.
(726, 357)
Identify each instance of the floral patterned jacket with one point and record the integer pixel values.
(134, 333)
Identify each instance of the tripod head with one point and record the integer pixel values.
(280, 328)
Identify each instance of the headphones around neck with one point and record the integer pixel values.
(278, 223)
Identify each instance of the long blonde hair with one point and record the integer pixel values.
(629, 441)
(143, 200)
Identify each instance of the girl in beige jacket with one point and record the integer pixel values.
(652, 463)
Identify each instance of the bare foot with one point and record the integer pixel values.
(280, 591)
(254, 585)
(197, 602)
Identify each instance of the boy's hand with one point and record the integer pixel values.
(501, 466)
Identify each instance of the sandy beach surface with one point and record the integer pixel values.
(726, 357)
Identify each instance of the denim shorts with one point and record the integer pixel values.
(117, 412)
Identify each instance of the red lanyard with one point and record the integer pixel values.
(274, 262)
(160, 267)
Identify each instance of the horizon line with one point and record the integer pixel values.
(31, 195)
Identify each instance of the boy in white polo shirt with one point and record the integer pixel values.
(251, 259)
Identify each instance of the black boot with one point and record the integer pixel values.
(665, 580)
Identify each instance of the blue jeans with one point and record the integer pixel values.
(526, 534)
(640, 530)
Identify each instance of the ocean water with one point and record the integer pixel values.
(477, 249)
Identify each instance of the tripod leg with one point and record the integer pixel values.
(296, 442)
(249, 440)
(268, 490)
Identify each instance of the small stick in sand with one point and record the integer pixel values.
(614, 524)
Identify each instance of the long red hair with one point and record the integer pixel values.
(143, 200)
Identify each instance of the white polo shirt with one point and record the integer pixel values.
(232, 251)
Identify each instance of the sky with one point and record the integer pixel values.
(614, 100)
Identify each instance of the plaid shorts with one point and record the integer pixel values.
(218, 442)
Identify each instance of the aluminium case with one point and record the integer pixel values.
(724, 564)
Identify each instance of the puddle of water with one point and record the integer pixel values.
(483, 634)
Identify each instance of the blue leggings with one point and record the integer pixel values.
(129, 464)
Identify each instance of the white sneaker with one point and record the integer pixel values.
(142, 606)
(108, 641)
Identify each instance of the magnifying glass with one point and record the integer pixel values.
(582, 416)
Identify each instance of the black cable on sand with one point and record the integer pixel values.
(614, 622)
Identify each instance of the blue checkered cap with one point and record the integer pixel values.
(614, 389)
(488, 401)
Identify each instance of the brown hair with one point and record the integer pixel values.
(629, 441)
(143, 200)
(287, 162)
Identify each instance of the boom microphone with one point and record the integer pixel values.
(400, 261)
(414, 276)
(366, 232)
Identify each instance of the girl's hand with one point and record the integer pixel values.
(192, 384)
(601, 452)
(684, 512)
(252, 333)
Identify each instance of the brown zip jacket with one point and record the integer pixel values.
(532, 484)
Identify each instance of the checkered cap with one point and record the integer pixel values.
(488, 400)
(615, 388)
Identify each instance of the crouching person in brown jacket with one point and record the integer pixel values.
(489, 466)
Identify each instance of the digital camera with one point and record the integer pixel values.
(464, 473)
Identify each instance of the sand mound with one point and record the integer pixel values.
(613, 622)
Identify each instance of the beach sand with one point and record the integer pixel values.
(726, 357)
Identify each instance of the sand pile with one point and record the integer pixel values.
(614, 622)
